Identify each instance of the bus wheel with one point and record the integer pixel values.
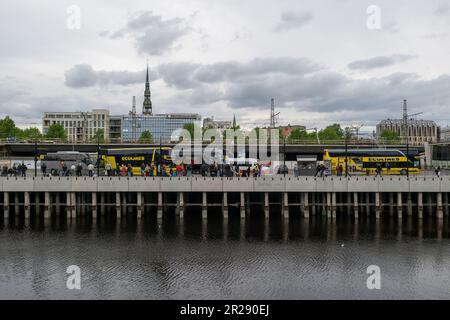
(403, 172)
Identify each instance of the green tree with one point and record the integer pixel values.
(333, 132)
(298, 134)
(389, 135)
(99, 136)
(146, 137)
(7, 128)
(56, 131)
(31, 133)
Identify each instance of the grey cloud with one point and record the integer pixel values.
(83, 76)
(442, 10)
(293, 20)
(322, 91)
(152, 34)
(188, 75)
(379, 62)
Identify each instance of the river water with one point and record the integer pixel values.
(315, 259)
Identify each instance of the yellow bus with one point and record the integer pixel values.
(135, 157)
(393, 162)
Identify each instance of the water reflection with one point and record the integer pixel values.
(255, 258)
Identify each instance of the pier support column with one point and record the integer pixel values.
(94, 205)
(118, 206)
(68, 206)
(181, 204)
(410, 210)
(27, 205)
(266, 205)
(204, 206)
(355, 205)
(124, 203)
(285, 208)
(57, 204)
(37, 204)
(242, 205)
(420, 205)
(306, 205)
(139, 205)
(160, 206)
(328, 205)
(399, 205)
(377, 205)
(440, 209)
(47, 205)
(391, 204)
(333, 205)
(430, 204)
(225, 205)
(6, 205)
(16, 204)
(102, 204)
(446, 204)
(313, 203)
(73, 205)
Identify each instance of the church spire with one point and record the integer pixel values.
(147, 106)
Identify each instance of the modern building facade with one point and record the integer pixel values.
(444, 134)
(80, 127)
(161, 126)
(418, 131)
(115, 129)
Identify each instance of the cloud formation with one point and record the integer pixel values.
(84, 76)
(151, 33)
(292, 20)
(379, 62)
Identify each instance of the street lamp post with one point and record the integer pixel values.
(35, 158)
(284, 157)
(98, 156)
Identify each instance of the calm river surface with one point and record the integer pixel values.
(198, 260)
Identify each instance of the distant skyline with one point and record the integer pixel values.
(318, 59)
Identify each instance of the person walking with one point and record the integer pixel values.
(378, 170)
(64, 169)
(130, 170)
(73, 170)
(79, 169)
(142, 169)
(90, 170)
(43, 169)
(124, 170)
(438, 171)
(24, 170)
(4, 170)
(108, 169)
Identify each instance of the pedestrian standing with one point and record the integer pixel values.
(108, 169)
(378, 170)
(91, 170)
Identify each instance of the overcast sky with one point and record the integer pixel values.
(318, 59)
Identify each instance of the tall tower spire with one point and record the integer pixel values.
(147, 106)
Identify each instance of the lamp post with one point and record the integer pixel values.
(35, 158)
(98, 155)
(284, 156)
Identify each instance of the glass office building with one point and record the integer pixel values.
(161, 126)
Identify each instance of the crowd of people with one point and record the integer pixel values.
(15, 171)
(184, 170)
